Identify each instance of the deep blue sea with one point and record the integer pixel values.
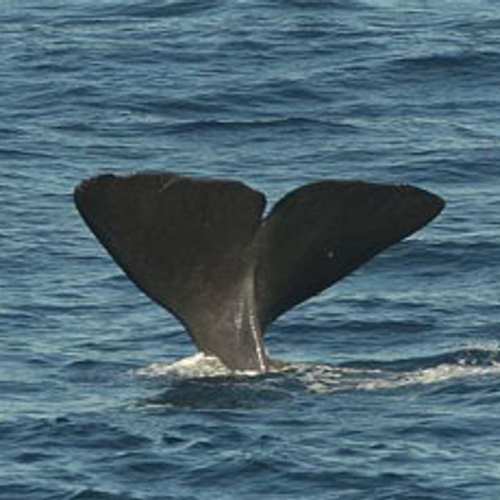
(393, 389)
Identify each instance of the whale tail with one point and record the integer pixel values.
(201, 249)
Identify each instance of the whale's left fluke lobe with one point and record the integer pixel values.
(186, 244)
(200, 247)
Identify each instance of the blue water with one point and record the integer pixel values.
(393, 389)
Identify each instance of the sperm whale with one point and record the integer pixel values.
(202, 249)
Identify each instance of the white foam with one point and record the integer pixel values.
(197, 366)
(325, 379)
(329, 378)
(435, 375)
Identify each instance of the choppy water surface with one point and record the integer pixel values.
(391, 390)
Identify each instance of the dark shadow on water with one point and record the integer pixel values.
(225, 393)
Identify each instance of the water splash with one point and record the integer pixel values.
(197, 366)
(325, 378)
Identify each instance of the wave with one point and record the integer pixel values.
(152, 9)
(296, 123)
(457, 365)
(460, 64)
(460, 59)
(326, 5)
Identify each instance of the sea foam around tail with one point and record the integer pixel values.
(325, 378)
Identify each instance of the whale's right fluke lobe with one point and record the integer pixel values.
(321, 232)
(201, 249)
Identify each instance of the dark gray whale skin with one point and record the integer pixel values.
(201, 248)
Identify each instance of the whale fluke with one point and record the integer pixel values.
(201, 249)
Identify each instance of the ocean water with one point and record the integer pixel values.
(393, 387)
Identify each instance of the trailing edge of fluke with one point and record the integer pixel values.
(201, 249)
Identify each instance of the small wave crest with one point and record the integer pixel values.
(290, 122)
(369, 376)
